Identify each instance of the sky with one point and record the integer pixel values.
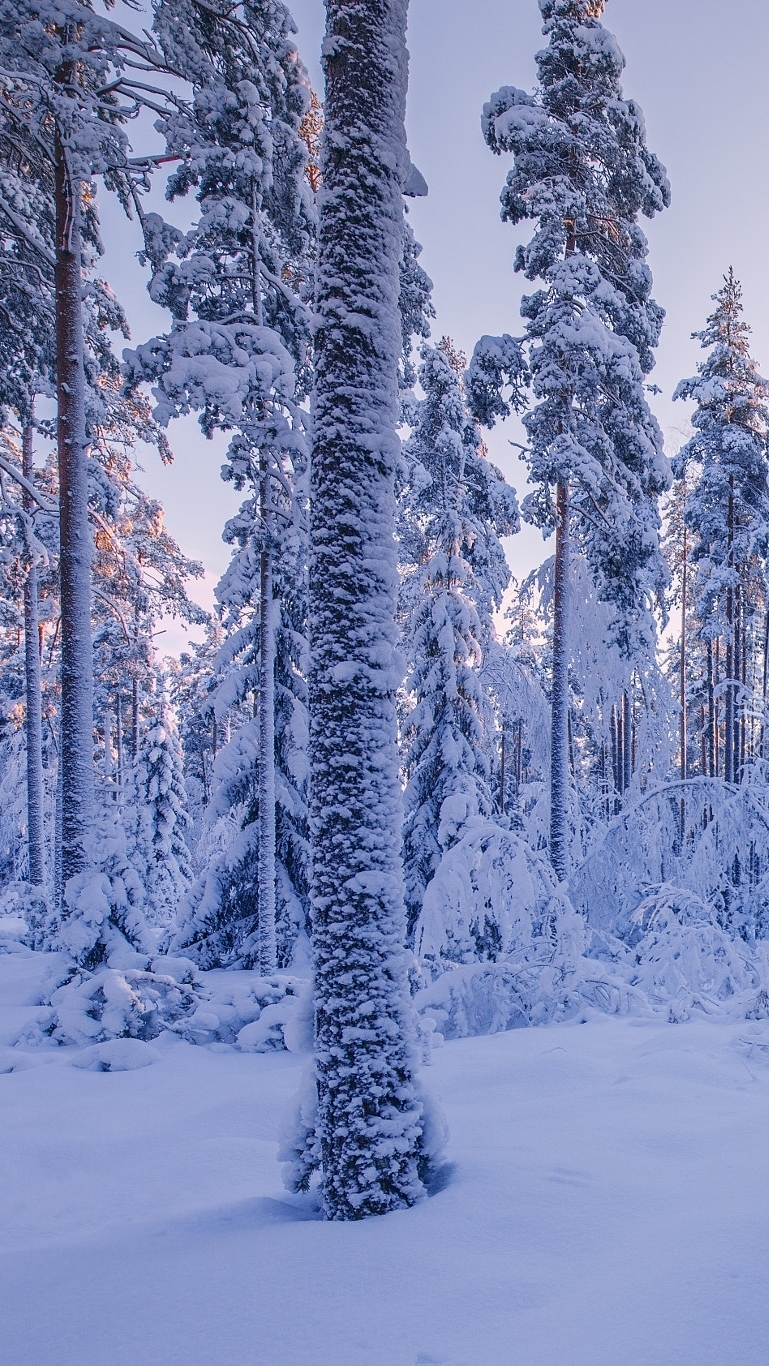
(698, 70)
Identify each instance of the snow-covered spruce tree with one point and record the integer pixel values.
(161, 816)
(582, 170)
(370, 1124)
(453, 508)
(728, 514)
(236, 291)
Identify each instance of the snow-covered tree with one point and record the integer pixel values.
(582, 170)
(454, 506)
(236, 285)
(727, 511)
(369, 1128)
(163, 860)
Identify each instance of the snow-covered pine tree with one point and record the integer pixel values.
(161, 817)
(237, 291)
(581, 168)
(454, 506)
(728, 513)
(69, 84)
(370, 1119)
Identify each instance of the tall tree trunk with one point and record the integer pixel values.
(765, 682)
(33, 682)
(615, 741)
(729, 708)
(712, 712)
(369, 1113)
(683, 737)
(519, 755)
(266, 854)
(559, 737)
(75, 534)
(134, 720)
(627, 740)
(502, 772)
(119, 745)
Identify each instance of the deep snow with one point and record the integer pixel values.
(606, 1202)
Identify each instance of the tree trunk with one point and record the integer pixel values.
(33, 682)
(765, 681)
(683, 738)
(266, 855)
(627, 741)
(729, 707)
(502, 773)
(614, 739)
(559, 736)
(119, 746)
(134, 720)
(75, 533)
(369, 1112)
(712, 713)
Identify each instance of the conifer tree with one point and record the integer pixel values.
(69, 84)
(453, 508)
(236, 285)
(370, 1121)
(728, 513)
(161, 818)
(582, 170)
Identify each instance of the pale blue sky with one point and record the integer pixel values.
(698, 69)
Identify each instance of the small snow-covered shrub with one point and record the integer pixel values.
(24, 906)
(491, 898)
(136, 997)
(686, 961)
(103, 906)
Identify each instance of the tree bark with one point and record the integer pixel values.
(627, 741)
(76, 758)
(135, 720)
(266, 854)
(683, 737)
(559, 738)
(363, 1057)
(33, 682)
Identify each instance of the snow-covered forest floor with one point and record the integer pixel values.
(604, 1201)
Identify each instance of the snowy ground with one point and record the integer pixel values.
(607, 1202)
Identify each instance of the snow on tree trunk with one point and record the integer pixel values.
(369, 1115)
(35, 837)
(559, 743)
(266, 855)
(75, 532)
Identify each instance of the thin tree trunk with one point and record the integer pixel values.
(731, 673)
(266, 855)
(363, 1056)
(119, 745)
(744, 682)
(627, 741)
(712, 712)
(519, 755)
(502, 772)
(683, 739)
(74, 530)
(34, 701)
(719, 768)
(614, 738)
(559, 740)
(134, 720)
(108, 766)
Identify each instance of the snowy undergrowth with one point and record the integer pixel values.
(138, 997)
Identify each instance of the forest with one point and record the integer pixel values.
(389, 800)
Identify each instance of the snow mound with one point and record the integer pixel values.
(118, 1055)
